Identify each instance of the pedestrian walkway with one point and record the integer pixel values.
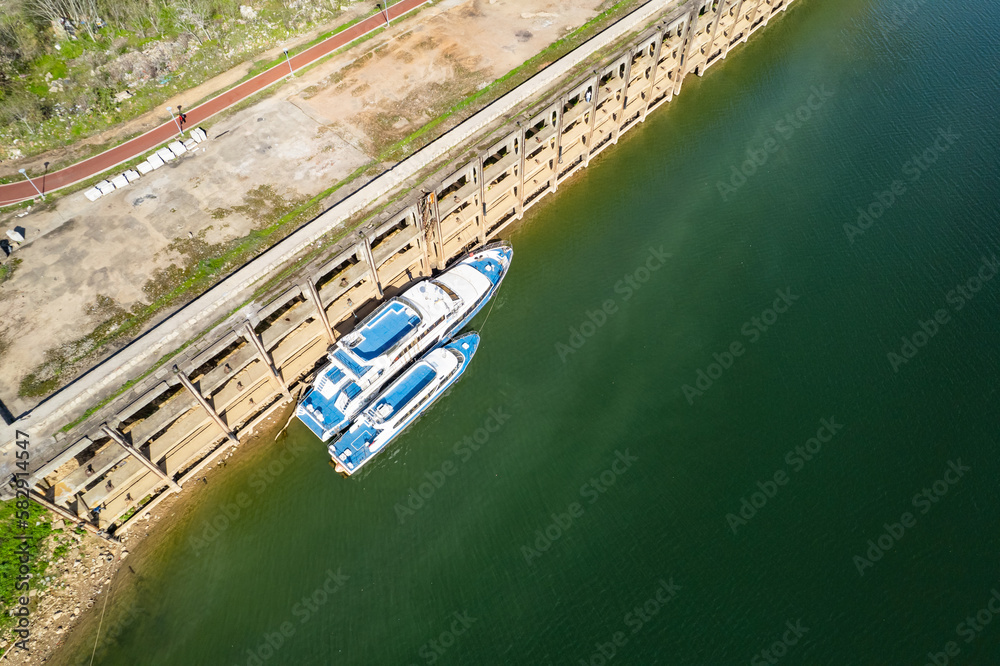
(20, 191)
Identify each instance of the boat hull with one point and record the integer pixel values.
(326, 409)
(368, 437)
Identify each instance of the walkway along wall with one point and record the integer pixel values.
(148, 441)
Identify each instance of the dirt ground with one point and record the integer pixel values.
(83, 261)
(79, 598)
(187, 98)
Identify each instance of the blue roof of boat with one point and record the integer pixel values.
(321, 407)
(352, 365)
(386, 329)
(355, 441)
(314, 405)
(409, 385)
(489, 267)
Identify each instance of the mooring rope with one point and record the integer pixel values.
(100, 624)
(488, 313)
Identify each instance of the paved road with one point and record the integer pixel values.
(22, 190)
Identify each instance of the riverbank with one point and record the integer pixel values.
(73, 611)
(621, 528)
(570, 115)
(318, 136)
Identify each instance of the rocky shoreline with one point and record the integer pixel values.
(88, 580)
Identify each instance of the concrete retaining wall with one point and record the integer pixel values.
(220, 385)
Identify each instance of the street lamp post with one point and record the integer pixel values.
(385, 12)
(24, 173)
(177, 122)
(291, 72)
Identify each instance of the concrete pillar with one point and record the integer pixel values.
(715, 32)
(692, 24)
(520, 172)
(596, 85)
(310, 288)
(621, 110)
(82, 510)
(652, 77)
(682, 60)
(425, 256)
(482, 201)
(71, 451)
(761, 7)
(557, 157)
(119, 439)
(442, 260)
(365, 250)
(204, 405)
(64, 513)
(739, 17)
(252, 336)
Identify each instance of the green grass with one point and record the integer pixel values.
(208, 271)
(205, 62)
(7, 269)
(508, 81)
(38, 529)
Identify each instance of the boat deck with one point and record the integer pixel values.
(384, 331)
(405, 389)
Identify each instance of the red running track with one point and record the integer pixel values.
(19, 191)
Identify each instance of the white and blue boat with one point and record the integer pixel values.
(400, 404)
(396, 333)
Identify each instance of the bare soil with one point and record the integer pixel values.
(95, 596)
(147, 121)
(311, 133)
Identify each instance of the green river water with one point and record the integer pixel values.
(707, 424)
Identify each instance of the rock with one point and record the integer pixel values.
(56, 615)
(248, 12)
(124, 554)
